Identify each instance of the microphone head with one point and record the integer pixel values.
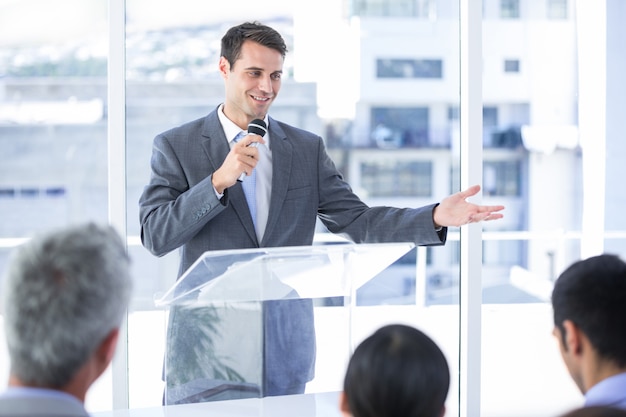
(258, 127)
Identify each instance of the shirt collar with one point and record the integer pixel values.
(29, 392)
(609, 391)
(231, 129)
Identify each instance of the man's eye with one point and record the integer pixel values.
(276, 76)
(255, 73)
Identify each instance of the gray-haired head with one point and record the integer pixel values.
(64, 292)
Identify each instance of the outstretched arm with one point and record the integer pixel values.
(455, 210)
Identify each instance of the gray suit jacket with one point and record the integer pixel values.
(40, 407)
(179, 209)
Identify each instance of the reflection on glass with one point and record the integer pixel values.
(200, 366)
(234, 317)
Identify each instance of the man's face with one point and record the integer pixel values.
(251, 83)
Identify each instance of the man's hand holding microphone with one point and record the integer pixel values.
(241, 159)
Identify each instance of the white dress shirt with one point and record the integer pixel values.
(263, 170)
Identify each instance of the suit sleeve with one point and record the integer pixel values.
(342, 212)
(171, 211)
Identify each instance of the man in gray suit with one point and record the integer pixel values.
(195, 202)
(65, 294)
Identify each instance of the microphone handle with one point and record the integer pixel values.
(243, 174)
(257, 127)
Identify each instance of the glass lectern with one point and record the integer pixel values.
(244, 323)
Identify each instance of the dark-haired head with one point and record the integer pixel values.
(250, 31)
(592, 295)
(396, 372)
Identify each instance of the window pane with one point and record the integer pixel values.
(387, 178)
(409, 68)
(509, 9)
(537, 152)
(398, 8)
(392, 144)
(511, 65)
(53, 127)
(395, 127)
(557, 9)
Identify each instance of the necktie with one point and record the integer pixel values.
(249, 185)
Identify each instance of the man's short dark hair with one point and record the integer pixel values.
(592, 294)
(250, 31)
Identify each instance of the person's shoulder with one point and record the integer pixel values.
(192, 127)
(292, 132)
(38, 405)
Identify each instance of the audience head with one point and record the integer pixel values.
(396, 372)
(250, 31)
(589, 303)
(596, 411)
(64, 297)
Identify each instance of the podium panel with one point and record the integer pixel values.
(241, 322)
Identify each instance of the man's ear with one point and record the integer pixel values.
(573, 338)
(224, 67)
(106, 350)
(343, 404)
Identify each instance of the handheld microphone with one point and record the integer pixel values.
(257, 127)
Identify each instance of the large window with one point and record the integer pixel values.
(394, 129)
(53, 129)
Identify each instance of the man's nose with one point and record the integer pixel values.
(265, 84)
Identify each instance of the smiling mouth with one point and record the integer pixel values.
(263, 99)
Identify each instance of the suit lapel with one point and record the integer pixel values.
(216, 148)
(282, 151)
(214, 142)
